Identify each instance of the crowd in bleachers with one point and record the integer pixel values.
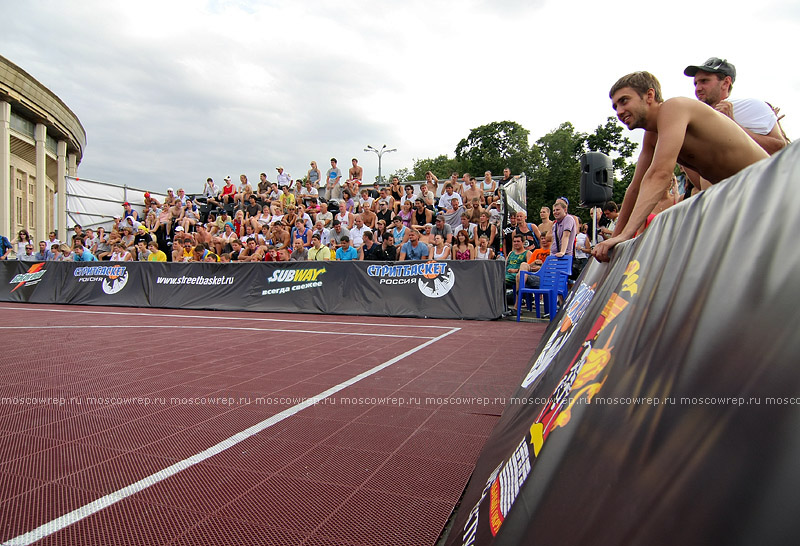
(319, 218)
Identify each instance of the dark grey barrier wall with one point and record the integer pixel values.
(451, 289)
(663, 404)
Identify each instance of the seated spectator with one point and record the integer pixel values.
(313, 209)
(469, 227)
(422, 215)
(427, 237)
(413, 249)
(405, 213)
(369, 218)
(484, 251)
(223, 241)
(28, 255)
(439, 250)
(346, 252)
(237, 249)
(517, 256)
(384, 211)
(400, 232)
(370, 250)
(280, 236)
(251, 209)
(57, 254)
(365, 202)
(101, 248)
(142, 252)
(442, 228)
(43, 253)
(211, 258)
(156, 255)
(199, 253)
(337, 233)
(462, 248)
(318, 251)
(325, 216)
(307, 192)
(388, 247)
(252, 252)
(531, 236)
(446, 200)
(299, 251)
(82, 254)
(228, 194)
(379, 231)
(357, 232)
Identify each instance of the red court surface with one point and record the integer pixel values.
(151, 426)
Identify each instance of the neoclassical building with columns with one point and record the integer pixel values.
(41, 142)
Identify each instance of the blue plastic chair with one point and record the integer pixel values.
(550, 280)
(563, 264)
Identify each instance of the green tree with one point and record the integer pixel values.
(556, 170)
(442, 166)
(401, 174)
(493, 147)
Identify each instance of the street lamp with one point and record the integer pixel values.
(380, 153)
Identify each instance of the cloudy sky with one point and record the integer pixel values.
(173, 91)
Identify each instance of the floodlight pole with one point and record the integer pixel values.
(379, 153)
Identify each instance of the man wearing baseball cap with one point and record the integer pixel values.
(713, 83)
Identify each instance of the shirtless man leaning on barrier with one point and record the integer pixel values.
(679, 130)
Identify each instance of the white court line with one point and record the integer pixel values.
(83, 512)
(127, 314)
(140, 326)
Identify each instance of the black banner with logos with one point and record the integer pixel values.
(449, 289)
(663, 403)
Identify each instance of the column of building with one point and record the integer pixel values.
(40, 220)
(5, 169)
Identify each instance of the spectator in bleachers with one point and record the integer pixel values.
(322, 231)
(399, 231)
(300, 233)
(439, 250)
(413, 249)
(287, 198)
(252, 252)
(484, 251)
(370, 250)
(55, 250)
(223, 240)
(299, 251)
(252, 210)
(508, 231)
(345, 252)
(388, 247)
(462, 248)
(385, 196)
(228, 193)
(517, 256)
(308, 192)
(384, 211)
(531, 237)
(442, 228)
(318, 250)
(344, 216)
(427, 196)
(43, 253)
(156, 255)
(546, 223)
(469, 227)
(405, 213)
(473, 191)
(325, 216)
(51, 239)
(432, 184)
(357, 232)
(22, 240)
(245, 190)
(446, 200)
(82, 254)
(422, 214)
(489, 230)
(379, 231)
(313, 209)
(129, 211)
(263, 188)
(280, 235)
(337, 233)
(426, 235)
(28, 255)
